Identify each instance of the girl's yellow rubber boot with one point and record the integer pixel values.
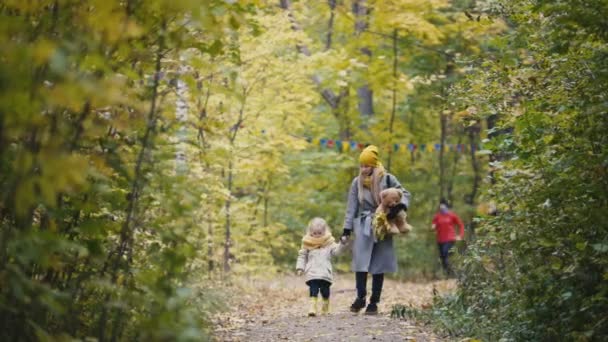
(325, 306)
(313, 307)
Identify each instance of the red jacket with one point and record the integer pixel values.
(444, 226)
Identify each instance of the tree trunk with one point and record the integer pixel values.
(228, 218)
(443, 121)
(340, 113)
(449, 71)
(266, 211)
(181, 115)
(394, 109)
(330, 25)
(210, 265)
(126, 233)
(364, 93)
(227, 238)
(473, 133)
(266, 200)
(453, 175)
(366, 101)
(202, 109)
(491, 122)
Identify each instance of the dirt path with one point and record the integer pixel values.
(275, 310)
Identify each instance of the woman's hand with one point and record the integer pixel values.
(299, 272)
(345, 236)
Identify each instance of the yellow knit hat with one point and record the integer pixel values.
(369, 156)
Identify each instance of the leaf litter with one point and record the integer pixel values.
(276, 310)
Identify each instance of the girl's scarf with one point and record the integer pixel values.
(372, 183)
(309, 242)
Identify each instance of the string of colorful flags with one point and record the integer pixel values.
(349, 145)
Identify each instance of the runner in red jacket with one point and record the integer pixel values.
(443, 224)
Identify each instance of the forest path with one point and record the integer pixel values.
(276, 310)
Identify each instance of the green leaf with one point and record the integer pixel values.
(216, 48)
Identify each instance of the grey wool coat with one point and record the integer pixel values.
(369, 255)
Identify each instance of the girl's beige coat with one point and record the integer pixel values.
(316, 263)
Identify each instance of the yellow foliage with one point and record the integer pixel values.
(408, 15)
(42, 51)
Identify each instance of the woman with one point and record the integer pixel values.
(369, 256)
(443, 224)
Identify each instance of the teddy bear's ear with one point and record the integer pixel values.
(394, 192)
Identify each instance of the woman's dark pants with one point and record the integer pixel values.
(377, 282)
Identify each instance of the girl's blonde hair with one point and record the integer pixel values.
(317, 222)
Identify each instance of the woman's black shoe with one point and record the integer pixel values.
(372, 309)
(357, 305)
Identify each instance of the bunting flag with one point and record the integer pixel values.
(346, 146)
(350, 145)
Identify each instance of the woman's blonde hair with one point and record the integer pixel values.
(317, 222)
(377, 176)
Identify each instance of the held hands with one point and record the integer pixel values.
(299, 272)
(345, 236)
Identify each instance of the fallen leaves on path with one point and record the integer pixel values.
(275, 310)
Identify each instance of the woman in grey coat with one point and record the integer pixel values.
(369, 255)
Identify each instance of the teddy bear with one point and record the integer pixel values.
(390, 217)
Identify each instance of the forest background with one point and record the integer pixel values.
(150, 149)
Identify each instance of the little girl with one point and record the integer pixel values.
(314, 259)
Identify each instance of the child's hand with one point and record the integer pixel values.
(343, 239)
(299, 272)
